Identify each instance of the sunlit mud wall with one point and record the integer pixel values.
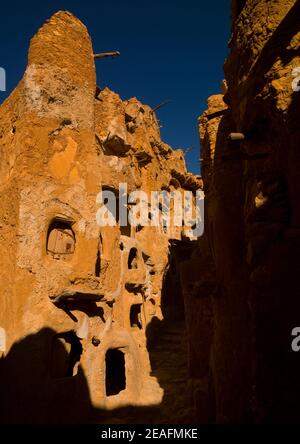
(77, 299)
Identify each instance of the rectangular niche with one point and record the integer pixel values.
(136, 316)
(115, 373)
(132, 259)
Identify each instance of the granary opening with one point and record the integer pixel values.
(60, 239)
(132, 259)
(117, 207)
(98, 264)
(125, 230)
(111, 201)
(136, 316)
(115, 377)
(65, 355)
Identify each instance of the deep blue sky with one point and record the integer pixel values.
(170, 50)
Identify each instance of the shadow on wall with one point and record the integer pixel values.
(43, 383)
(34, 390)
(276, 304)
(172, 306)
(168, 350)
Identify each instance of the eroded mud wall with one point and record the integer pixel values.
(252, 205)
(78, 299)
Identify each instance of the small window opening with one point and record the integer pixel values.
(126, 230)
(112, 203)
(115, 378)
(60, 238)
(136, 316)
(139, 228)
(132, 259)
(98, 264)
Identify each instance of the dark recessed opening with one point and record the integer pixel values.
(172, 302)
(98, 264)
(174, 182)
(132, 259)
(115, 379)
(126, 230)
(128, 118)
(117, 209)
(111, 201)
(66, 122)
(65, 355)
(136, 316)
